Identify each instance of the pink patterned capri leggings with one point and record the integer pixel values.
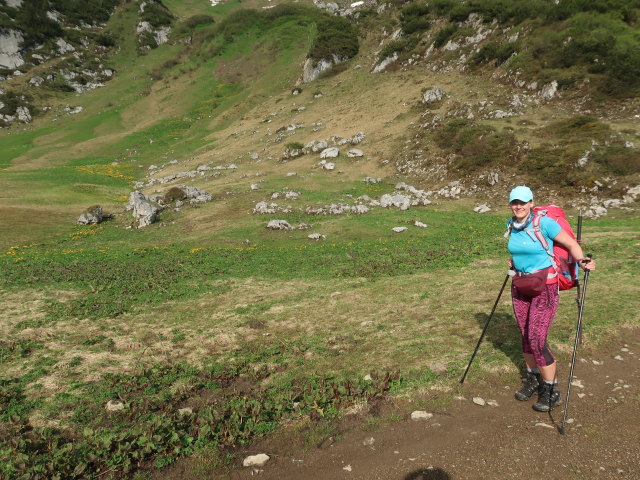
(534, 317)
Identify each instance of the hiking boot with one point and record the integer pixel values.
(548, 398)
(530, 385)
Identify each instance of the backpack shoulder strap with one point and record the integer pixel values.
(509, 227)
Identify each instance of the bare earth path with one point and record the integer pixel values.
(468, 441)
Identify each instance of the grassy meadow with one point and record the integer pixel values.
(124, 350)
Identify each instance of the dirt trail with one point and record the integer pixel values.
(468, 441)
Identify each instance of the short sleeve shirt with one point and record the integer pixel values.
(526, 250)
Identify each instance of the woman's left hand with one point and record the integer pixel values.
(590, 265)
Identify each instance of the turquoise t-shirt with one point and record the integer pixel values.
(529, 255)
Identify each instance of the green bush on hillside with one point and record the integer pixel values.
(475, 145)
(336, 36)
(444, 34)
(156, 14)
(37, 28)
(414, 18)
(500, 52)
(76, 11)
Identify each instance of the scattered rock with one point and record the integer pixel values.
(492, 403)
(347, 468)
(185, 411)
(316, 236)
(385, 63)
(256, 460)
(367, 377)
(401, 201)
(90, 216)
(279, 225)
(484, 208)
(329, 166)
(255, 186)
(421, 415)
(420, 224)
(368, 442)
(145, 211)
(399, 229)
(355, 152)
(549, 90)
(545, 425)
(618, 357)
(432, 95)
(371, 180)
(331, 152)
(479, 401)
(114, 406)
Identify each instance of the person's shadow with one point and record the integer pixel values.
(428, 474)
(503, 333)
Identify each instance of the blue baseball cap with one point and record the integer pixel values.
(521, 193)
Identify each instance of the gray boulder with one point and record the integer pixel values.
(91, 216)
(145, 211)
(279, 225)
(331, 152)
(432, 95)
(403, 202)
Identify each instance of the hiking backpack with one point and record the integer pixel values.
(564, 264)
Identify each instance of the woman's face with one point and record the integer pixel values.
(521, 209)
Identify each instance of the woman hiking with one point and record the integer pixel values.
(535, 300)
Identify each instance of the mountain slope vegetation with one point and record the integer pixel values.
(127, 349)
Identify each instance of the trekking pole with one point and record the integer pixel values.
(484, 330)
(575, 347)
(579, 240)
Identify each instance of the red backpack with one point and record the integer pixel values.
(565, 265)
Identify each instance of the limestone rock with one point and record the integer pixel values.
(331, 152)
(385, 63)
(145, 211)
(421, 415)
(549, 91)
(279, 225)
(432, 95)
(355, 152)
(256, 460)
(90, 216)
(483, 208)
(401, 201)
(399, 229)
(114, 406)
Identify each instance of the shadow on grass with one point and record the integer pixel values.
(503, 333)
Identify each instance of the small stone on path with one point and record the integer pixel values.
(618, 357)
(493, 403)
(479, 401)
(546, 425)
(255, 460)
(368, 442)
(347, 468)
(114, 406)
(421, 415)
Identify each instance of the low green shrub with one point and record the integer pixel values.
(499, 52)
(476, 145)
(617, 160)
(197, 20)
(156, 14)
(444, 34)
(414, 18)
(403, 44)
(336, 36)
